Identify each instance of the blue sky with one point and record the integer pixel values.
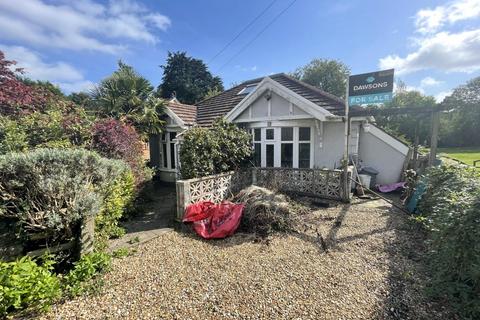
(433, 45)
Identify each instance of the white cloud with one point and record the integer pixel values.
(441, 95)
(79, 25)
(77, 86)
(67, 77)
(432, 20)
(162, 22)
(439, 47)
(430, 82)
(449, 52)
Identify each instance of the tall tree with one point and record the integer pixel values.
(187, 78)
(126, 95)
(461, 126)
(407, 125)
(329, 75)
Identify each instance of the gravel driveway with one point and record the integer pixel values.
(373, 270)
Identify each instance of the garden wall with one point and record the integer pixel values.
(216, 188)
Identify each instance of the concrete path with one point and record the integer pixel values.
(156, 220)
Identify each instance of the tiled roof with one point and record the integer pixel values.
(186, 112)
(219, 105)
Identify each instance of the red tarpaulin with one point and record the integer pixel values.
(214, 221)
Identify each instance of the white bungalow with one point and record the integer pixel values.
(293, 125)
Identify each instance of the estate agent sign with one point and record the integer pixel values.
(370, 88)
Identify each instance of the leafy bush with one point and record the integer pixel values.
(12, 136)
(52, 189)
(119, 199)
(85, 269)
(55, 128)
(115, 139)
(208, 151)
(450, 211)
(25, 284)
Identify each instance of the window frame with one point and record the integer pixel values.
(168, 160)
(277, 144)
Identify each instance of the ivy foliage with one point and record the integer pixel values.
(450, 211)
(222, 148)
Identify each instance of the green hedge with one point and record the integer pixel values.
(51, 190)
(450, 211)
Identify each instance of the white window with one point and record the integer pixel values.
(167, 150)
(287, 147)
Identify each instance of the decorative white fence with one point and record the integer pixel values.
(316, 182)
(216, 188)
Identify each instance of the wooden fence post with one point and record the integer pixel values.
(434, 138)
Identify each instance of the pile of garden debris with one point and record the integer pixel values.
(267, 212)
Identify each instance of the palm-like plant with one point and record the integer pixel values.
(126, 95)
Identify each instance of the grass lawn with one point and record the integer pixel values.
(466, 155)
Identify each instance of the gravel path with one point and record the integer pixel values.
(370, 272)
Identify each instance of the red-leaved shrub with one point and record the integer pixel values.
(115, 139)
(15, 96)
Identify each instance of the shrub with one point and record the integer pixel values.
(12, 136)
(119, 199)
(222, 148)
(450, 211)
(52, 189)
(55, 128)
(84, 270)
(25, 284)
(115, 139)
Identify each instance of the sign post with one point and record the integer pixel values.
(346, 181)
(364, 89)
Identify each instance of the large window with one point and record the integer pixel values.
(287, 147)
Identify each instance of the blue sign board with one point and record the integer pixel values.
(370, 88)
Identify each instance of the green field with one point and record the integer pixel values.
(465, 155)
